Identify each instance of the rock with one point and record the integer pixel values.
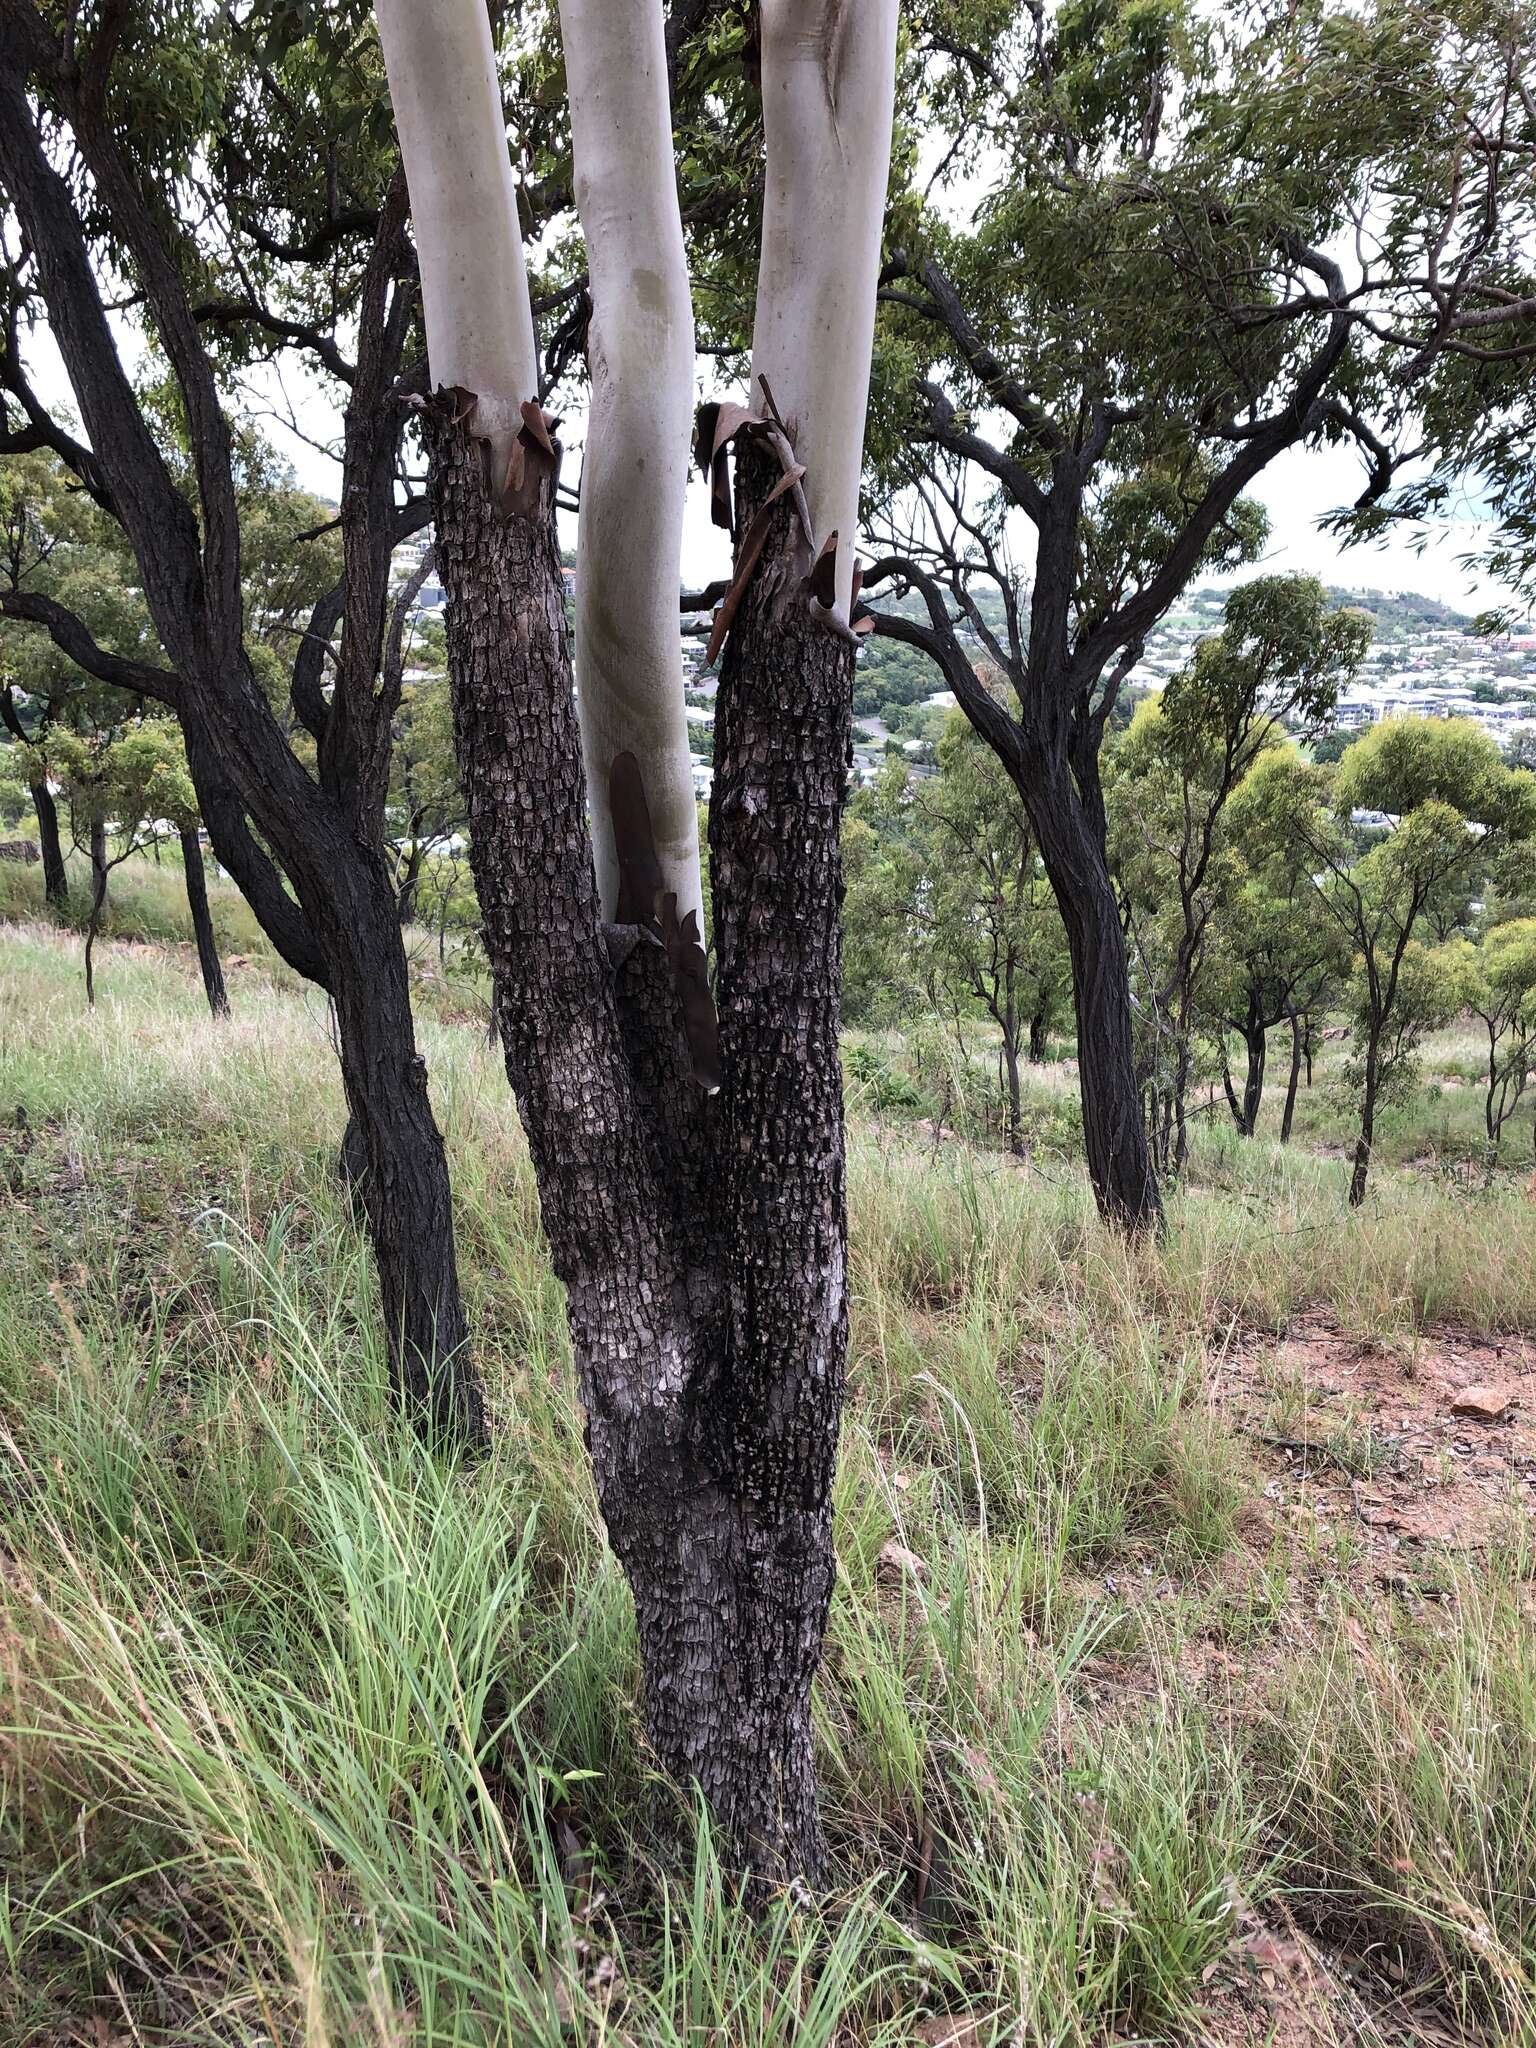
(1486, 1404)
(897, 1563)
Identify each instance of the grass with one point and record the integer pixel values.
(310, 1738)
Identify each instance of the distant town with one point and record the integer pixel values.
(1424, 658)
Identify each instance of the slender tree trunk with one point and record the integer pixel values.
(1492, 1123)
(93, 922)
(1307, 1048)
(1366, 1139)
(398, 1165)
(1039, 1044)
(202, 923)
(410, 880)
(55, 874)
(1015, 1132)
(1293, 1082)
(1256, 1039)
(99, 865)
(1115, 1138)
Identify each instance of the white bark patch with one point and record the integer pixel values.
(829, 73)
(453, 139)
(629, 676)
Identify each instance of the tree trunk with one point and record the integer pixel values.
(1306, 1030)
(202, 923)
(1015, 1131)
(93, 922)
(1256, 1039)
(1039, 1043)
(1229, 1090)
(403, 1184)
(783, 724)
(99, 866)
(1293, 1082)
(701, 1241)
(410, 879)
(1363, 1143)
(1119, 1163)
(55, 874)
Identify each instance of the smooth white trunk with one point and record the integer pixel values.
(629, 673)
(453, 140)
(829, 69)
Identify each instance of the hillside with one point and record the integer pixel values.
(1178, 1683)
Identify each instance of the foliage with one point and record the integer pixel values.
(948, 899)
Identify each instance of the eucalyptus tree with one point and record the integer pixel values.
(104, 171)
(1275, 956)
(1278, 662)
(956, 881)
(688, 1143)
(1504, 1002)
(1453, 808)
(1134, 281)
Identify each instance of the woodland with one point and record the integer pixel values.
(654, 1387)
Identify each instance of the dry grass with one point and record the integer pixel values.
(303, 1729)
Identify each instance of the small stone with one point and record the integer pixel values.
(1486, 1404)
(896, 1562)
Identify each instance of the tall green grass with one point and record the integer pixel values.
(310, 1737)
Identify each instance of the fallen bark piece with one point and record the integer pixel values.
(1484, 1404)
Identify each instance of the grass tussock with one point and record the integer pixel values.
(310, 1737)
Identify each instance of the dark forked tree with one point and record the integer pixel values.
(690, 1167)
(61, 103)
(1147, 313)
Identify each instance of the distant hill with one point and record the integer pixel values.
(1397, 615)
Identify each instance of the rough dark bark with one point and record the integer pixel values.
(51, 846)
(1114, 1136)
(100, 864)
(1256, 1043)
(1293, 1082)
(701, 1241)
(1367, 1135)
(1015, 1132)
(326, 839)
(1039, 1040)
(783, 731)
(202, 923)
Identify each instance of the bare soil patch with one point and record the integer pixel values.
(1423, 1446)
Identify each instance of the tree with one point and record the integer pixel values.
(1148, 307)
(1280, 660)
(1503, 998)
(692, 1181)
(61, 547)
(1275, 955)
(1453, 806)
(122, 205)
(968, 902)
(132, 784)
